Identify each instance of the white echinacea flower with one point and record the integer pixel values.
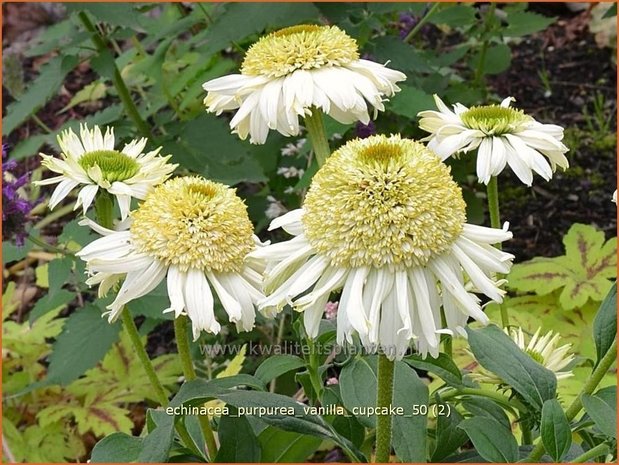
(289, 72)
(545, 350)
(384, 221)
(501, 135)
(91, 161)
(196, 232)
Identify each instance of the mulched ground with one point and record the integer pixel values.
(577, 70)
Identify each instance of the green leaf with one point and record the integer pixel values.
(157, 443)
(443, 366)
(399, 54)
(85, 339)
(286, 447)
(274, 409)
(243, 19)
(89, 93)
(496, 352)
(584, 272)
(480, 407)
(498, 58)
(555, 430)
(493, 441)
(58, 273)
(116, 14)
(603, 411)
(522, 23)
(238, 442)
(605, 323)
(38, 93)
(454, 15)
(50, 303)
(410, 101)
(277, 365)
(117, 448)
(207, 147)
(448, 436)
(358, 390)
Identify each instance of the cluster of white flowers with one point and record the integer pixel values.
(383, 220)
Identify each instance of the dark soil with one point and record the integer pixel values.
(577, 71)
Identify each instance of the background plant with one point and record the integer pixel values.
(143, 75)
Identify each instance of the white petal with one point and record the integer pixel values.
(199, 303)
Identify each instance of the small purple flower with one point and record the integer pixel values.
(365, 130)
(406, 24)
(15, 208)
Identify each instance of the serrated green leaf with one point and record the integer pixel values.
(522, 23)
(84, 340)
(50, 303)
(410, 101)
(493, 441)
(454, 15)
(497, 59)
(38, 93)
(497, 353)
(116, 14)
(555, 430)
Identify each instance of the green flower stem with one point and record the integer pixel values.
(421, 22)
(313, 368)
(576, 406)
(48, 247)
(446, 338)
(499, 398)
(182, 343)
(119, 83)
(104, 209)
(54, 215)
(316, 131)
(600, 449)
(384, 397)
(526, 434)
(488, 22)
(495, 222)
(132, 331)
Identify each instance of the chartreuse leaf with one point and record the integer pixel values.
(555, 430)
(602, 408)
(492, 440)
(605, 323)
(497, 353)
(358, 390)
(583, 273)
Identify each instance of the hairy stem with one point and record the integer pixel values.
(119, 83)
(316, 131)
(421, 22)
(182, 343)
(384, 397)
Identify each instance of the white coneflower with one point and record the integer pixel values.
(91, 161)
(614, 199)
(384, 221)
(196, 232)
(501, 135)
(545, 350)
(288, 72)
